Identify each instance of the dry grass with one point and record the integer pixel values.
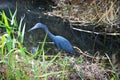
(91, 11)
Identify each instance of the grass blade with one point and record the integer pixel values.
(49, 74)
(23, 32)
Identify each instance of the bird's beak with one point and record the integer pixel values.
(34, 27)
(30, 29)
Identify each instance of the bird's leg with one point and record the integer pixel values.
(58, 48)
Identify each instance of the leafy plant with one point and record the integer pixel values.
(10, 45)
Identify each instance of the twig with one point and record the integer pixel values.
(98, 33)
(80, 51)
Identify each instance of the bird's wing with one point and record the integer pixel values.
(63, 43)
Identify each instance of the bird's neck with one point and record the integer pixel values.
(49, 34)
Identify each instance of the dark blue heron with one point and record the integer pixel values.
(61, 42)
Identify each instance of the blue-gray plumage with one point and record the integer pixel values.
(61, 42)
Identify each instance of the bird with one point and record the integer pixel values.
(61, 43)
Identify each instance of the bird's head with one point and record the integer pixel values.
(36, 26)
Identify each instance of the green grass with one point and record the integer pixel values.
(16, 64)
